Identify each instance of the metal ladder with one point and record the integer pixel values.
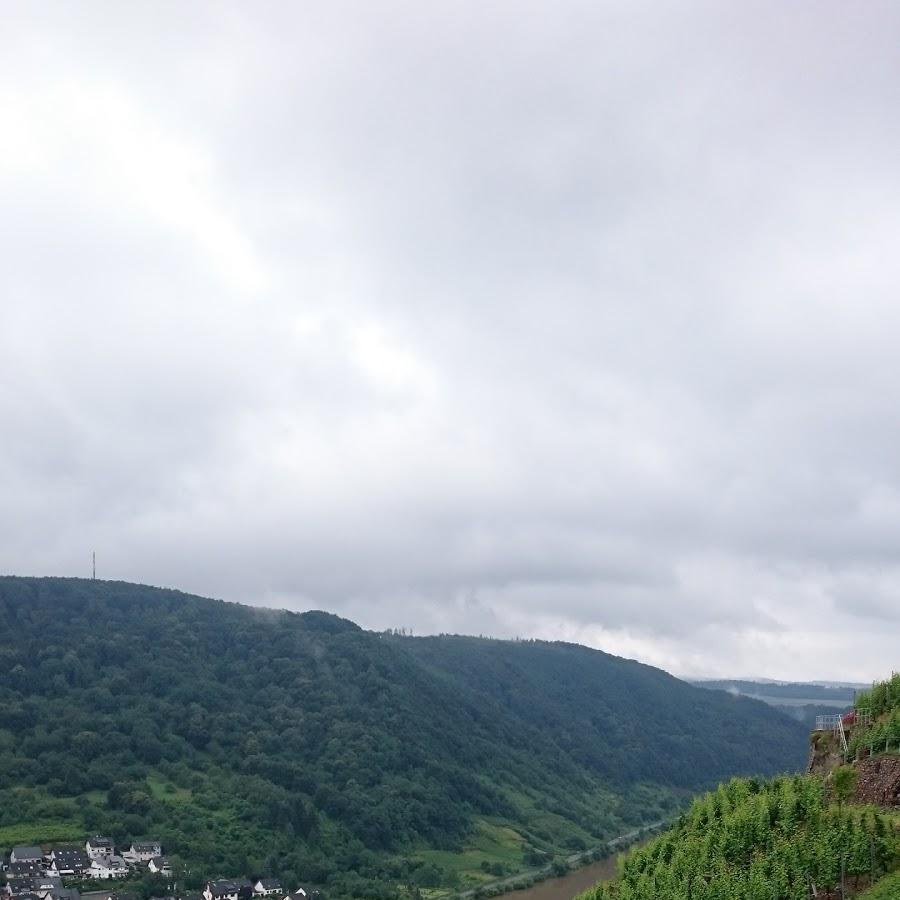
(840, 729)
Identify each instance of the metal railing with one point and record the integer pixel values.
(862, 717)
(828, 723)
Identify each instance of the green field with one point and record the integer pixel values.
(490, 843)
(39, 833)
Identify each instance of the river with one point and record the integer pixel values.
(567, 886)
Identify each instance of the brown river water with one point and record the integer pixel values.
(567, 886)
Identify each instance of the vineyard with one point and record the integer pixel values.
(752, 840)
(883, 735)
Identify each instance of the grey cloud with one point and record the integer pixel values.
(573, 322)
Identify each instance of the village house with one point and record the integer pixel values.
(105, 867)
(65, 894)
(43, 887)
(303, 894)
(69, 859)
(99, 847)
(25, 869)
(267, 887)
(159, 865)
(46, 885)
(143, 851)
(19, 885)
(27, 854)
(221, 890)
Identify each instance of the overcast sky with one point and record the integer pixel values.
(572, 320)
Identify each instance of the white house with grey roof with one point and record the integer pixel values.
(98, 847)
(106, 867)
(223, 889)
(159, 865)
(142, 851)
(27, 854)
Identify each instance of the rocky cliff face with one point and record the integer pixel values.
(824, 753)
(878, 778)
(878, 781)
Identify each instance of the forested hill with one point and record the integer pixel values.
(266, 742)
(617, 717)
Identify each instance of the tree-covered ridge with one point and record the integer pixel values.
(616, 716)
(752, 840)
(883, 701)
(298, 745)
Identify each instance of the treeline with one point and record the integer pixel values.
(752, 840)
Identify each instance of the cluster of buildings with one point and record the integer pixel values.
(32, 871)
(227, 889)
(32, 874)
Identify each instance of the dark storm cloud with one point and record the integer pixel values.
(572, 321)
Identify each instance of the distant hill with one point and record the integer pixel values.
(802, 701)
(797, 691)
(267, 742)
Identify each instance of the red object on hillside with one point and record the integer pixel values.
(849, 718)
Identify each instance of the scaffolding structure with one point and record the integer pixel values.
(861, 717)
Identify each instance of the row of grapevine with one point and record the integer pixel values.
(881, 736)
(883, 699)
(751, 840)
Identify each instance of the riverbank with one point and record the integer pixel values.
(564, 887)
(589, 867)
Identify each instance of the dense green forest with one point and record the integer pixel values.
(256, 741)
(752, 840)
(617, 717)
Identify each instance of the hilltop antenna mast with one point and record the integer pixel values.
(94, 565)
